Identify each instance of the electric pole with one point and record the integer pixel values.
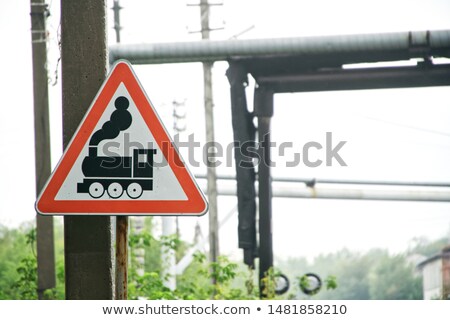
(44, 225)
(121, 262)
(84, 57)
(170, 224)
(209, 125)
(116, 9)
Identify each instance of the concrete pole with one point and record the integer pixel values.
(209, 124)
(168, 257)
(88, 240)
(121, 262)
(44, 225)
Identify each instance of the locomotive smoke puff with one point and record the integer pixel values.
(120, 120)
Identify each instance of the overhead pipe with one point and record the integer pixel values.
(398, 45)
(352, 193)
(313, 181)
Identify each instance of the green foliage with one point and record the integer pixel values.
(18, 270)
(170, 242)
(426, 247)
(251, 289)
(12, 251)
(393, 279)
(269, 284)
(18, 265)
(150, 286)
(331, 283)
(223, 271)
(26, 285)
(304, 282)
(372, 275)
(196, 282)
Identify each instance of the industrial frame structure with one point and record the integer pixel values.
(295, 65)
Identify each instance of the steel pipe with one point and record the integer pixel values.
(398, 45)
(353, 193)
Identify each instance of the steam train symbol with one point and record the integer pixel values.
(116, 174)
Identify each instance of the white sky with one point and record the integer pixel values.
(377, 124)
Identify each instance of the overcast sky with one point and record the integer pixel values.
(391, 134)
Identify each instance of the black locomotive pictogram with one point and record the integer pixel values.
(116, 174)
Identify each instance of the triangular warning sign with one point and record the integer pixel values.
(121, 161)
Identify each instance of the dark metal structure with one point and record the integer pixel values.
(295, 65)
(301, 73)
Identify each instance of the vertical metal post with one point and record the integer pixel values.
(170, 228)
(88, 240)
(168, 256)
(244, 139)
(177, 129)
(116, 9)
(121, 258)
(44, 225)
(264, 112)
(209, 124)
(121, 264)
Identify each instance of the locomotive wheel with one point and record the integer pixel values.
(96, 190)
(115, 190)
(134, 190)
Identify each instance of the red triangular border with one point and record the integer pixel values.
(195, 204)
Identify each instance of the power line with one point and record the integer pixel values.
(407, 126)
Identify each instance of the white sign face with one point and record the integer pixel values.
(137, 137)
(121, 160)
